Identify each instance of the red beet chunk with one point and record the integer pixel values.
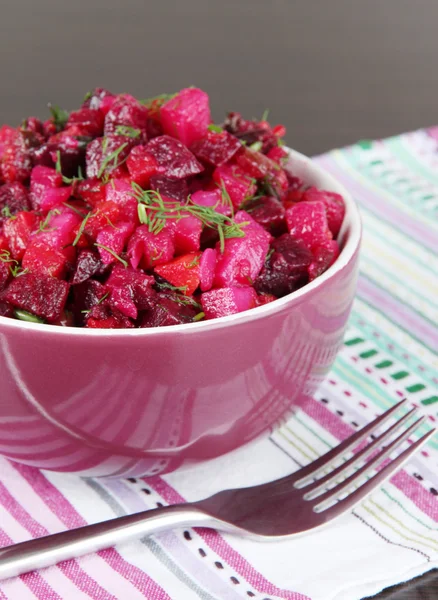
(18, 231)
(15, 197)
(168, 310)
(6, 310)
(106, 155)
(5, 273)
(42, 259)
(99, 98)
(87, 122)
(86, 295)
(228, 301)
(252, 131)
(323, 257)
(269, 213)
(307, 221)
(186, 116)
(126, 111)
(174, 160)
(15, 160)
(88, 265)
(91, 191)
(216, 148)
(147, 250)
(286, 268)
(70, 150)
(141, 165)
(130, 291)
(39, 295)
(334, 206)
(177, 189)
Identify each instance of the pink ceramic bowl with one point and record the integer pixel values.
(144, 401)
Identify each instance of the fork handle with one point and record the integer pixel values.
(52, 549)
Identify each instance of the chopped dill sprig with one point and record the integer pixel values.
(127, 131)
(111, 159)
(23, 315)
(81, 229)
(59, 116)
(116, 256)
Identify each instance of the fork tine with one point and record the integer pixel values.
(334, 493)
(364, 490)
(343, 469)
(317, 466)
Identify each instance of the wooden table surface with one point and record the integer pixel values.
(332, 71)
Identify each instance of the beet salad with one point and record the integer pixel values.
(143, 213)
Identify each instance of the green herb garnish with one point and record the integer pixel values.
(81, 229)
(156, 211)
(74, 209)
(158, 100)
(265, 115)
(110, 158)
(215, 128)
(59, 116)
(14, 265)
(127, 131)
(199, 316)
(119, 258)
(87, 96)
(194, 263)
(44, 226)
(6, 212)
(26, 316)
(168, 286)
(65, 179)
(256, 146)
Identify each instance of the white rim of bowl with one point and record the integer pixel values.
(351, 225)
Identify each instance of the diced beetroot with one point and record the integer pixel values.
(260, 167)
(265, 299)
(242, 258)
(91, 191)
(278, 155)
(120, 192)
(308, 221)
(171, 188)
(324, 256)
(174, 160)
(41, 259)
(334, 205)
(286, 268)
(110, 322)
(141, 165)
(70, 150)
(15, 160)
(138, 283)
(113, 238)
(105, 213)
(107, 155)
(15, 197)
(61, 229)
(42, 180)
(168, 311)
(227, 301)
(187, 235)
(8, 136)
(5, 274)
(186, 116)
(88, 264)
(6, 309)
(207, 266)
(87, 295)
(99, 98)
(146, 249)
(88, 122)
(216, 148)
(126, 111)
(121, 300)
(214, 199)
(39, 295)
(252, 131)
(18, 232)
(237, 184)
(51, 197)
(4, 246)
(182, 272)
(269, 213)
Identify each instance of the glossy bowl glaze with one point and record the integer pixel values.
(145, 401)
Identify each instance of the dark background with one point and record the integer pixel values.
(332, 71)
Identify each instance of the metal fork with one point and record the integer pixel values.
(292, 505)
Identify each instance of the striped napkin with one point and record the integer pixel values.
(388, 354)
